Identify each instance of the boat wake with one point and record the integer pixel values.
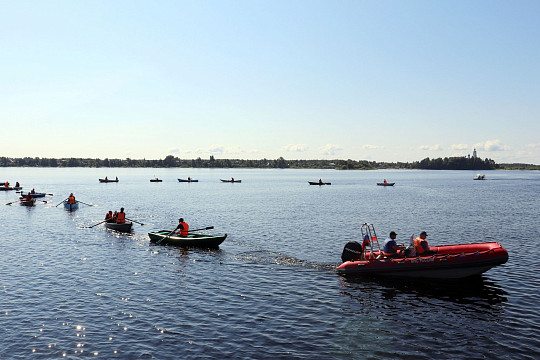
(275, 258)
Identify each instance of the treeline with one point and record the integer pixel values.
(452, 163)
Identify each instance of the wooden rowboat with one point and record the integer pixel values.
(192, 240)
(34, 195)
(187, 180)
(231, 181)
(319, 183)
(108, 180)
(71, 207)
(122, 227)
(386, 184)
(25, 202)
(6, 188)
(156, 180)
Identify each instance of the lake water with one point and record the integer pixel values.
(270, 291)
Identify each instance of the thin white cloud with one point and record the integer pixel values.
(533, 146)
(492, 145)
(372, 147)
(459, 147)
(174, 151)
(216, 149)
(435, 147)
(331, 149)
(295, 148)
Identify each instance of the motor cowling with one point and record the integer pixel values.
(352, 251)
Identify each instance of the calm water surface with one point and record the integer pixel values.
(270, 291)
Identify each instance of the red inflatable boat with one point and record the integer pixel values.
(449, 262)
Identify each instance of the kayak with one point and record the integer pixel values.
(25, 202)
(231, 181)
(187, 180)
(386, 184)
(71, 207)
(318, 183)
(192, 240)
(448, 262)
(122, 227)
(156, 180)
(34, 195)
(107, 180)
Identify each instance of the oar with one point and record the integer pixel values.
(9, 203)
(206, 228)
(89, 227)
(161, 240)
(135, 221)
(81, 203)
(62, 202)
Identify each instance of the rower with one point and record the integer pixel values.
(121, 217)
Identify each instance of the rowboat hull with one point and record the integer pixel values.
(35, 195)
(25, 202)
(4, 188)
(386, 184)
(107, 180)
(71, 207)
(318, 183)
(449, 262)
(156, 180)
(123, 227)
(231, 181)
(192, 240)
(185, 180)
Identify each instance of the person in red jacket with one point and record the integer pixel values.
(121, 217)
(182, 228)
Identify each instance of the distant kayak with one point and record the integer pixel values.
(192, 240)
(187, 180)
(386, 184)
(231, 181)
(319, 183)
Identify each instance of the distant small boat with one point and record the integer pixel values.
(6, 188)
(231, 181)
(71, 207)
(34, 195)
(386, 184)
(156, 180)
(108, 180)
(187, 180)
(479, 177)
(120, 227)
(319, 183)
(25, 202)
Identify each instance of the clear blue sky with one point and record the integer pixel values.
(374, 80)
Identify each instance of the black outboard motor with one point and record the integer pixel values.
(352, 251)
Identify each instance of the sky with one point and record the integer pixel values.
(382, 81)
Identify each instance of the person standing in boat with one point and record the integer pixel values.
(422, 246)
(182, 228)
(121, 217)
(391, 248)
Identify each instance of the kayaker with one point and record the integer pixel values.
(109, 216)
(182, 228)
(121, 217)
(391, 248)
(71, 199)
(422, 246)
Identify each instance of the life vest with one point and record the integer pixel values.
(120, 218)
(185, 230)
(108, 216)
(388, 247)
(418, 245)
(71, 200)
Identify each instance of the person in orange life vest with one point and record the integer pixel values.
(182, 228)
(28, 197)
(385, 182)
(71, 199)
(390, 248)
(17, 184)
(109, 216)
(232, 179)
(114, 216)
(188, 179)
(422, 246)
(121, 217)
(320, 181)
(6, 184)
(106, 178)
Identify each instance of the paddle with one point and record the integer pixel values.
(62, 202)
(89, 227)
(135, 221)
(84, 203)
(9, 203)
(161, 240)
(206, 228)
